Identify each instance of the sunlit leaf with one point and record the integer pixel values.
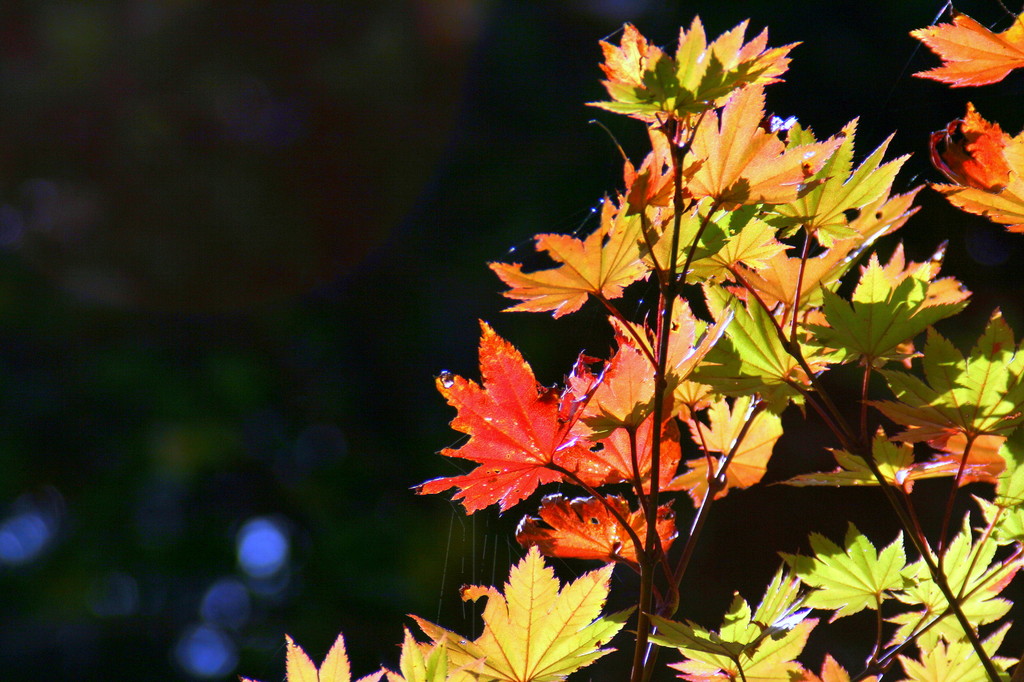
(517, 430)
(535, 631)
(601, 265)
(584, 528)
(972, 54)
(851, 578)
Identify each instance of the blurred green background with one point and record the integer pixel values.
(238, 240)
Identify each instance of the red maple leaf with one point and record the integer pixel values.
(585, 528)
(519, 431)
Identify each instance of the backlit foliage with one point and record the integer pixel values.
(748, 231)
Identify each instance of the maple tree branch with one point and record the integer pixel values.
(865, 382)
(799, 284)
(937, 574)
(638, 481)
(716, 483)
(923, 626)
(643, 656)
(947, 513)
(912, 513)
(617, 314)
(863, 446)
(658, 269)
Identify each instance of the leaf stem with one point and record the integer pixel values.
(947, 514)
(643, 344)
(799, 285)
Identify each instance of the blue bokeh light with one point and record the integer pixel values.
(226, 603)
(263, 547)
(205, 651)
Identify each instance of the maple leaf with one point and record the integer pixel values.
(972, 54)
(745, 164)
(519, 431)
(1005, 208)
(429, 663)
(896, 462)
(987, 165)
(690, 339)
(750, 461)
(645, 83)
(1005, 513)
(335, 668)
(836, 189)
(751, 359)
(624, 397)
(764, 645)
(956, 661)
(883, 315)
(602, 265)
(973, 574)
(652, 184)
(585, 528)
(612, 458)
(727, 239)
(981, 394)
(851, 578)
(831, 671)
(972, 152)
(535, 631)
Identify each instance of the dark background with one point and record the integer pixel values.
(238, 240)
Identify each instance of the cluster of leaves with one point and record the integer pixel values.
(534, 631)
(748, 229)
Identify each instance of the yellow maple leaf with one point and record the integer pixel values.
(335, 668)
(535, 632)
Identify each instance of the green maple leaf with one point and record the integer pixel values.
(894, 460)
(1006, 512)
(851, 578)
(733, 238)
(751, 359)
(429, 663)
(972, 573)
(980, 394)
(763, 643)
(957, 661)
(835, 190)
(535, 632)
(881, 316)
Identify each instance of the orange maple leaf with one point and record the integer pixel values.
(987, 165)
(601, 266)
(585, 528)
(519, 431)
(745, 164)
(612, 459)
(752, 453)
(625, 395)
(972, 54)
(831, 671)
(970, 152)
